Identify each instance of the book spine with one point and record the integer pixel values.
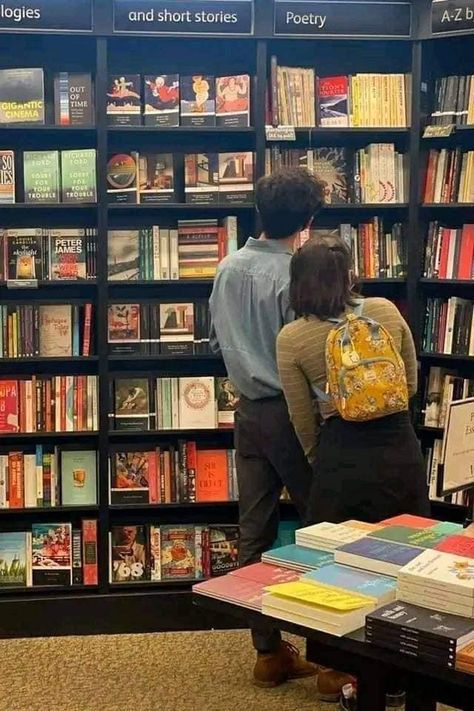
(76, 557)
(39, 475)
(89, 552)
(86, 340)
(191, 455)
(152, 478)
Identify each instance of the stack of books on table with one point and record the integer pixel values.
(296, 557)
(329, 536)
(419, 633)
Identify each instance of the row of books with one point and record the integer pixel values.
(56, 403)
(454, 101)
(443, 386)
(192, 251)
(46, 330)
(449, 326)
(200, 402)
(433, 456)
(52, 554)
(168, 553)
(67, 176)
(173, 100)
(209, 178)
(49, 254)
(166, 328)
(48, 478)
(182, 474)
(377, 252)
(449, 252)
(297, 97)
(449, 176)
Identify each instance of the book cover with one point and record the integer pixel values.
(13, 559)
(156, 176)
(124, 329)
(235, 178)
(422, 621)
(227, 401)
(331, 165)
(212, 476)
(51, 553)
(124, 100)
(130, 478)
(298, 557)
(233, 100)
(21, 96)
(266, 574)
(122, 178)
(178, 560)
(223, 548)
(369, 549)
(89, 552)
(380, 587)
(55, 334)
(201, 178)
(198, 103)
(457, 545)
(419, 537)
(67, 254)
(333, 101)
(197, 403)
(177, 329)
(7, 177)
(41, 176)
(73, 99)
(161, 100)
(25, 254)
(78, 176)
(123, 255)
(410, 520)
(9, 405)
(240, 591)
(78, 477)
(441, 570)
(130, 555)
(132, 406)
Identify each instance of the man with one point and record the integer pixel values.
(249, 305)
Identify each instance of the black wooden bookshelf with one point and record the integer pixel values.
(141, 607)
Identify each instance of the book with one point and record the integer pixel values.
(78, 477)
(177, 328)
(382, 588)
(419, 537)
(237, 590)
(328, 536)
(21, 96)
(178, 552)
(7, 177)
(212, 477)
(199, 247)
(161, 100)
(51, 553)
(124, 100)
(55, 321)
(227, 401)
(89, 552)
(457, 545)
(333, 101)
(73, 99)
(376, 556)
(14, 553)
(122, 178)
(233, 100)
(130, 477)
(129, 554)
(235, 178)
(78, 176)
(24, 254)
(265, 573)
(123, 255)
(331, 165)
(132, 406)
(298, 558)
(197, 101)
(67, 250)
(125, 329)
(156, 178)
(201, 178)
(223, 549)
(9, 404)
(443, 571)
(197, 403)
(41, 176)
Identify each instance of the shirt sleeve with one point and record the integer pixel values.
(213, 342)
(298, 394)
(287, 313)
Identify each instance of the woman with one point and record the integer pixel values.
(363, 470)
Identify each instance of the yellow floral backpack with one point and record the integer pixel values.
(366, 376)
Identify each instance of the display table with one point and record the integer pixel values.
(425, 683)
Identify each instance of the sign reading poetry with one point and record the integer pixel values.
(309, 18)
(213, 17)
(53, 15)
(451, 16)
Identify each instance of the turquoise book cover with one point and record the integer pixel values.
(79, 478)
(300, 555)
(381, 587)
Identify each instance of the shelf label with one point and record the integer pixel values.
(22, 284)
(280, 133)
(309, 18)
(51, 15)
(452, 16)
(438, 131)
(181, 17)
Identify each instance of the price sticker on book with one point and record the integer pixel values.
(439, 131)
(280, 133)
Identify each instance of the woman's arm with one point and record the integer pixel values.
(297, 393)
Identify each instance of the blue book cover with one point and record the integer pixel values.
(447, 528)
(386, 551)
(300, 556)
(357, 581)
(286, 533)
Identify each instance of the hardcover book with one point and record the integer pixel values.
(7, 177)
(201, 178)
(25, 254)
(223, 548)
(212, 476)
(132, 406)
(41, 176)
(198, 104)
(67, 254)
(178, 552)
(78, 477)
(235, 178)
(14, 559)
(227, 401)
(333, 101)
(90, 572)
(197, 403)
(130, 477)
(177, 329)
(21, 96)
(9, 402)
(130, 555)
(78, 176)
(156, 177)
(124, 329)
(161, 100)
(55, 334)
(73, 99)
(122, 178)
(233, 100)
(124, 100)
(51, 553)
(331, 165)
(123, 255)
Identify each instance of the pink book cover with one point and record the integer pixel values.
(231, 588)
(458, 545)
(266, 574)
(410, 521)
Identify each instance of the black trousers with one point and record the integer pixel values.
(268, 457)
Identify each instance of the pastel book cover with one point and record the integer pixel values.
(234, 589)
(380, 587)
(382, 551)
(442, 570)
(299, 556)
(79, 477)
(419, 537)
(198, 100)
(266, 573)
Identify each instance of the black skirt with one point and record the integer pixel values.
(368, 471)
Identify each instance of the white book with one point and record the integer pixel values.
(156, 253)
(39, 475)
(29, 566)
(429, 591)
(439, 175)
(438, 603)
(435, 460)
(3, 482)
(95, 408)
(174, 259)
(230, 224)
(448, 336)
(89, 418)
(387, 176)
(164, 253)
(29, 474)
(197, 403)
(159, 405)
(155, 547)
(54, 477)
(69, 403)
(444, 571)
(327, 536)
(174, 404)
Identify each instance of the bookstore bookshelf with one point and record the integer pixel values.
(122, 188)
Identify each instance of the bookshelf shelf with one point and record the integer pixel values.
(49, 284)
(55, 206)
(40, 511)
(434, 431)
(45, 128)
(365, 207)
(359, 132)
(446, 283)
(183, 130)
(52, 359)
(164, 357)
(150, 584)
(172, 506)
(382, 280)
(447, 206)
(161, 282)
(180, 207)
(28, 436)
(42, 589)
(447, 356)
(147, 434)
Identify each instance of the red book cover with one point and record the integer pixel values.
(332, 100)
(458, 545)
(9, 405)
(222, 244)
(62, 399)
(22, 398)
(191, 458)
(15, 480)
(466, 256)
(89, 552)
(167, 472)
(162, 475)
(443, 262)
(86, 341)
(212, 478)
(431, 176)
(153, 459)
(410, 521)
(49, 427)
(231, 588)
(266, 574)
(75, 405)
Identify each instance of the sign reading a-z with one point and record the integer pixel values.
(51, 15)
(452, 16)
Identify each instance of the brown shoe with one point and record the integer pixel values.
(329, 684)
(274, 668)
(296, 665)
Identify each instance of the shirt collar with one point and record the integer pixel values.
(268, 245)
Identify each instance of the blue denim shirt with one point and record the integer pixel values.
(249, 306)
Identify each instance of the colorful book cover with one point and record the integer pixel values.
(223, 548)
(130, 478)
(132, 406)
(55, 335)
(124, 100)
(233, 100)
(78, 477)
(177, 328)
(9, 402)
(161, 100)
(198, 102)
(298, 557)
(227, 401)
(25, 254)
(124, 329)
(380, 587)
(21, 96)
(235, 178)
(41, 176)
(178, 552)
(7, 177)
(130, 555)
(422, 538)
(333, 101)
(73, 99)
(384, 551)
(155, 548)
(78, 176)
(67, 254)
(410, 520)
(122, 178)
(457, 545)
(212, 476)
(156, 176)
(51, 553)
(331, 165)
(266, 574)
(13, 559)
(89, 552)
(240, 591)
(201, 178)
(123, 255)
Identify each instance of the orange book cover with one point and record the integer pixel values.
(15, 480)
(167, 473)
(212, 479)
(89, 552)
